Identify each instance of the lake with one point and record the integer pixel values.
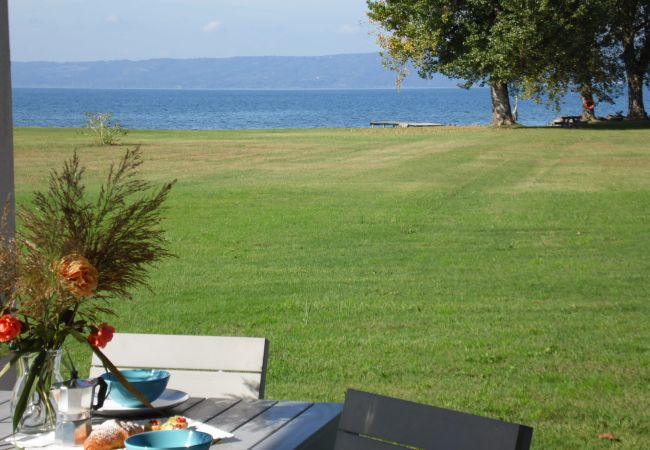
(247, 109)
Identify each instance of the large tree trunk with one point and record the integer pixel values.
(635, 95)
(636, 56)
(501, 111)
(588, 104)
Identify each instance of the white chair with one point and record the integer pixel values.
(202, 366)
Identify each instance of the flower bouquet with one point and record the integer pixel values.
(71, 256)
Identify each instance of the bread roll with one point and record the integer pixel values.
(111, 435)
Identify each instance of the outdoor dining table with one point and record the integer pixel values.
(255, 424)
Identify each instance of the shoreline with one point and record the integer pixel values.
(273, 109)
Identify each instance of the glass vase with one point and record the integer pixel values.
(39, 415)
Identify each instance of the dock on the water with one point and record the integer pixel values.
(384, 124)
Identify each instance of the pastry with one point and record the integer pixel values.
(111, 435)
(173, 423)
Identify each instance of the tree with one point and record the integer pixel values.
(600, 43)
(631, 28)
(579, 56)
(494, 42)
(589, 56)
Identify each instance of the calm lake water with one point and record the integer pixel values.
(242, 109)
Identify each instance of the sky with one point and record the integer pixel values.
(91, 30)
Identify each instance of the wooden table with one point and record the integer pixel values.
(256, 424)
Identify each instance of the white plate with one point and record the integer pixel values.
(168, 399)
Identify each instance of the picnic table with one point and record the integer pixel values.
(567, 121)
(255, 424)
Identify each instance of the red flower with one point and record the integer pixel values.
(102, 335)
(106, 331)
(10, 327)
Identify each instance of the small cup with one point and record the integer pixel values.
(150, 382)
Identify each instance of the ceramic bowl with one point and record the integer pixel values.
(170, 440)
(151, 382)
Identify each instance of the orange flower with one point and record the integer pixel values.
(10, 327)
(77, 275)
(102, 335)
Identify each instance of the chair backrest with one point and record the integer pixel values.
(375, 422)
(203, 366)
(8, 380)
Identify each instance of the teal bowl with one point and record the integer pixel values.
(170, 440)
(151, 382)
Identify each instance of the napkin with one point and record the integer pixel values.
(32, 440)
(215, 432)
(38, 441)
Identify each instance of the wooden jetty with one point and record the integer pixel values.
(384, 124)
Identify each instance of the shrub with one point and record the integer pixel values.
(106, 130)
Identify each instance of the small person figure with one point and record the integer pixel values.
(588, 113)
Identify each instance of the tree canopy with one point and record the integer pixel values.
(542, 48)
(484, 42)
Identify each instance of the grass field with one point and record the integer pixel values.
(499, 272)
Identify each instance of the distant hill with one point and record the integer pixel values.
(353, 71)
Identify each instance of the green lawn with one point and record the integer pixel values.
(499, 272)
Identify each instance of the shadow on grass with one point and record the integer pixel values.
(637, 124)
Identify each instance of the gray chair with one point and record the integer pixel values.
(375, 422)
(202, 366)
(8, 379)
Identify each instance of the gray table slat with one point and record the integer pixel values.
(5, 418)
(6, 427)
(264, 425)
(179, 410)
(209, 408)
(5, 396)
(314, 429)
(240, 414)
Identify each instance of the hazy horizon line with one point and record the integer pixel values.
(378, 53)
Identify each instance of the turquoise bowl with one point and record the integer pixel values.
(170, 440)
(151, 382)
